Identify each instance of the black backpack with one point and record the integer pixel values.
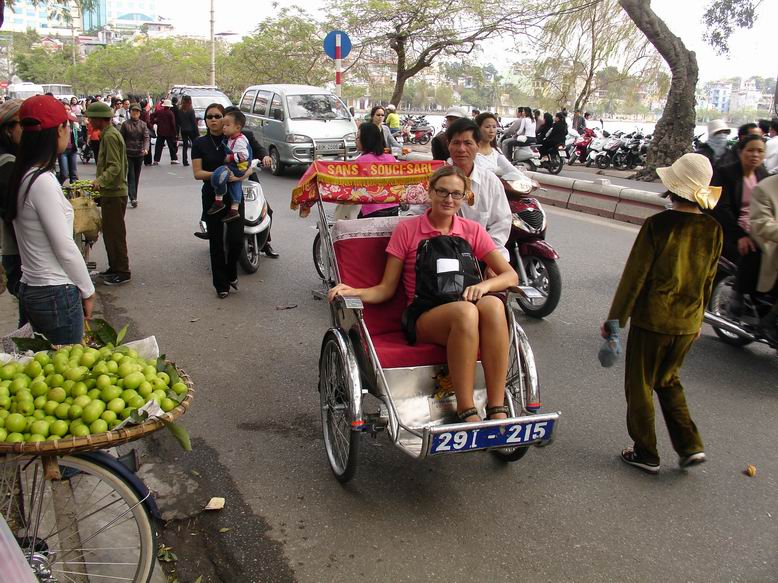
(445, 266)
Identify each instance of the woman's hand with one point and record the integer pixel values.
(475, 292)
(267, 161)
(745, 245)
(88, 304)
(341, 290)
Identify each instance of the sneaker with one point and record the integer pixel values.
(232, 215)
(217, 207)
(628, 456)
(155, 163)
(234, 285)
(133, 203)
(116, 279)
(201, 235)
(174, 161)
(105, 273)
(694, 459)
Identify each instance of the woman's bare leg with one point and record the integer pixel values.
(455, 326)
(493, 334)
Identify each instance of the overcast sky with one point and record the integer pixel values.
(753, 52)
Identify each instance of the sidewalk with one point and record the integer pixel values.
(9, 314)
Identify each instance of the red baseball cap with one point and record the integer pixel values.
(42, 112)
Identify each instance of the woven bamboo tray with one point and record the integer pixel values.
(106, 439)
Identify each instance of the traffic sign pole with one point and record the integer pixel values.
(338, 65)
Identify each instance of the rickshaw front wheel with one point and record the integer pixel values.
(335, 395)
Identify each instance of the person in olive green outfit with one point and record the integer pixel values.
(664, 289)
(111, 182)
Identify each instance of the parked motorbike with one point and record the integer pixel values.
(631, 154)
(743, 329)
(534, 260)
(570, 140)
(416, 130)
(595, 147)
(578, 152)
(527, 156)
(613, 145)
(256, 221)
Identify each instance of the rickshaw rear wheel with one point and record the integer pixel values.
(340, 440)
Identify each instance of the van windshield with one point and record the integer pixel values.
(320, 106)
(203, 101)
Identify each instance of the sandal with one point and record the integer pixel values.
(468, 413)
(496, 410)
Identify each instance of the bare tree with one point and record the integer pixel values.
(675, 129)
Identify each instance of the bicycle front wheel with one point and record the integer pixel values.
(88, 526)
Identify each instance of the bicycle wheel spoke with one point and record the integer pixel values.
(93, 575)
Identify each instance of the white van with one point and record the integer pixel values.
(24, 90)
(297, 123)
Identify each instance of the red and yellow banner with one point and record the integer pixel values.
(363, 183)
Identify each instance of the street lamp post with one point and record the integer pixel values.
(213, 51)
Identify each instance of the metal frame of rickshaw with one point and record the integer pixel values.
(363, 375)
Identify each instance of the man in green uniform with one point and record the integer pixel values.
(111, 182)
(664, 289)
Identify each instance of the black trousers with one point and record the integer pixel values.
(95, 145)
(225, 242)
(172, 145)
(187, 138)
(134, 166)
(748, 272)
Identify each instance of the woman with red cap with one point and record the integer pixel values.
(55, 292)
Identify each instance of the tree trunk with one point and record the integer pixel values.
(399, 88)
(675, 129)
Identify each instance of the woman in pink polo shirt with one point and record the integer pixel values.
(475, 322)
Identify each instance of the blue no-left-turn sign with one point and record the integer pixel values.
(329, 44)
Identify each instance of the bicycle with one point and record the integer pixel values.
(79, 514)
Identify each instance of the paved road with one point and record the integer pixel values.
(569, 512)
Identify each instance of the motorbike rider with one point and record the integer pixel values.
(738, 181)
(716, 145)
(508, 139)
(555, 137)
(489, 157)
(440, 142)
(763, 212)
(393, 119)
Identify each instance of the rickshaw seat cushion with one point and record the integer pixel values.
(360, 250)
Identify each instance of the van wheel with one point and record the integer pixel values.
(276, 166)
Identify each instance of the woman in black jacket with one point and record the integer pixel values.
(555, 137)
(187, 124)
(736, 182)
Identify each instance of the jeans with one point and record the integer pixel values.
(172, 145)
(235, 189)
(12, 264)
(67, 166)
(55, 311)
(134, 166)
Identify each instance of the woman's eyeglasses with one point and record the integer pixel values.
(214, 116)
(444, 194)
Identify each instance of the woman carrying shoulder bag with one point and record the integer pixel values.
(55, 292)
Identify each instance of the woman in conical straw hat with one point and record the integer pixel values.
(664, 289)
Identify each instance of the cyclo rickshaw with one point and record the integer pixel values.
(364, 354)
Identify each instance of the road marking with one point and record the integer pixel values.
(594, 219)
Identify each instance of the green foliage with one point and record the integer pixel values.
(722, 17)
(286, 48)
(41, 65)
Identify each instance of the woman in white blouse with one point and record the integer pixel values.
(55, 292)
(489, 156)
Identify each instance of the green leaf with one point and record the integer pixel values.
(199, 579)
(102, 332)
(172, 373)
(138, 417)
(170, 393)
(161, 363)
(181, 434)
(122, 333)
(223, 530)
(37, 343)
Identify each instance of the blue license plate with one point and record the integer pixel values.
(488, 437)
